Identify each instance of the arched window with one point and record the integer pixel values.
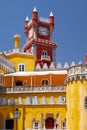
(85, 102)
(44, 53)
(44, 82)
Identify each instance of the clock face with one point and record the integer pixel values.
(43, 31)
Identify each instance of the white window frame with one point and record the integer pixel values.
(35, 125)
(21, 67)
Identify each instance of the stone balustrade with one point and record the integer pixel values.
(77, 69)
(33, 89)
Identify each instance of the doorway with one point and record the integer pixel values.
(9, 124)
(49, 123)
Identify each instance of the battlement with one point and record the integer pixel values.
(77, 69)
(44, 20)
(76, 72)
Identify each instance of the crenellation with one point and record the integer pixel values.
(44, 20)
(77, 69)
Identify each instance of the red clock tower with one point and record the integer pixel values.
(38, 31)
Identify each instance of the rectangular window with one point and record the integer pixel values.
(21, 67)
(36, 125)
(32, 100)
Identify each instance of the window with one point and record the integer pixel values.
(85, 102)
(44, 82)
(18, 83)
(21, 67)
(32, 100)
(44, 53)
(43, 100)
(51, 100)
(9, 124)
(36, 125)
(64, 124)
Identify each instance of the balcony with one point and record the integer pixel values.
(45, 57)
(32, 89)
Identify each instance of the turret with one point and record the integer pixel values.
(16, 41)
(26, 25)
(34, 15)
(51, 18)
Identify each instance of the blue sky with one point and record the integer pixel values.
(70, 25)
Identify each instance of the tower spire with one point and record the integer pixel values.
(26, 19)
(51, 13)
(34, 10)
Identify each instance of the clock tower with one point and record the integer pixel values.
(38, 32)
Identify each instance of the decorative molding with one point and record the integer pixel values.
(75, 77)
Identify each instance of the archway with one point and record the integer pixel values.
(49, 123)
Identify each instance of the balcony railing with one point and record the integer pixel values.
(6, 64)
(33, 89)
(37, 129)
(77, 69)
(45, 57)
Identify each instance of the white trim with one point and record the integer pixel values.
(21, 64)
(37, 73)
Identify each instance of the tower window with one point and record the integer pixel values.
(44, 53)
(21, 67)
(85, 102)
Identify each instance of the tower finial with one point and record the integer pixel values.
(51, 13)
(27, 19)
(34, 10)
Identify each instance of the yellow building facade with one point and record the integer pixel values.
(76, 96)
(37, 93)
(40, 100)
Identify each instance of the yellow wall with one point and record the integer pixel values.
(76, 113)
(30, 112)
(3, 71)
(28, 60)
